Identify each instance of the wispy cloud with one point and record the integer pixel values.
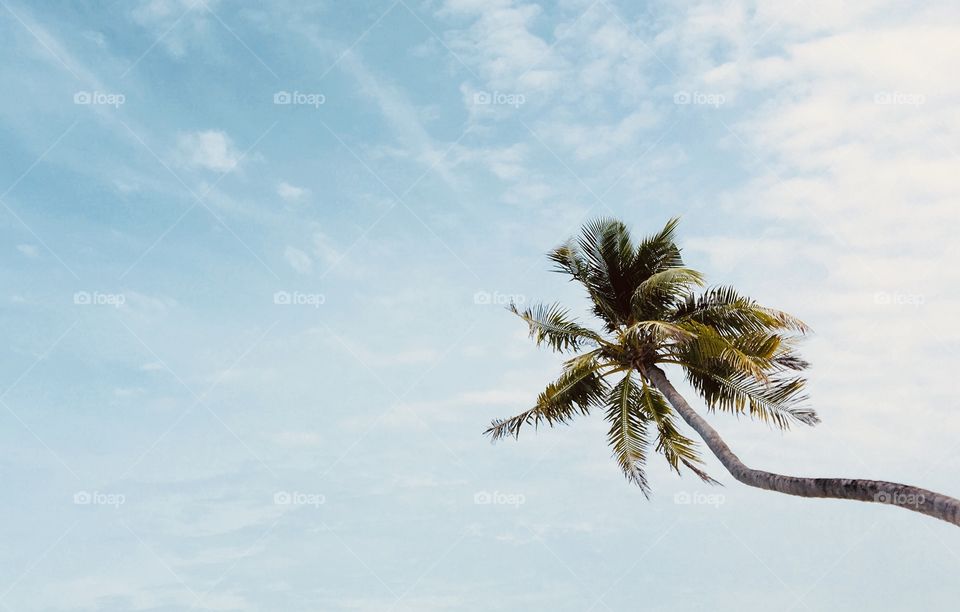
(291, 193)
(208, 150)
(298, 260)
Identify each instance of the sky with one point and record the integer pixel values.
(255, 258)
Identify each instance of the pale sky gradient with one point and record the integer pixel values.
(255, 256)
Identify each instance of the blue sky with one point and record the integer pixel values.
(255, 256)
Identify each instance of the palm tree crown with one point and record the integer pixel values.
(738, 355)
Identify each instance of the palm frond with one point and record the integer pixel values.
(628, 431)
(791, 361)
(778, 401)
(570, 260)
(608, 252)
(729, 312)
(673, 445)
(661, 290)
(658, 252)
(552, 325)
(567, 260)
(710, 349)
(658, 331)
(580, 387)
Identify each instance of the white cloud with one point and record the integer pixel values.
(324, 249)
(501, 44)
(400, 114)
(128, 392)
(588, 141)
(594, 56)
(588, 80)
(506, 163)
(857, 174)
(176, 25)
(291, 193)
(209, 150)
(96, 38)
(29, 250)
(298, 260)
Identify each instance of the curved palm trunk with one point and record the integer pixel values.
(908, 497)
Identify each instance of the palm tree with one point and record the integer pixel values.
(740, 357)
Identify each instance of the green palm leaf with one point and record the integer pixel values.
(661, 290)
(728, 312)
(779, 401)
(552, 325)
(576, 390)
(658, 252)
(673, 445)
(628, 431)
